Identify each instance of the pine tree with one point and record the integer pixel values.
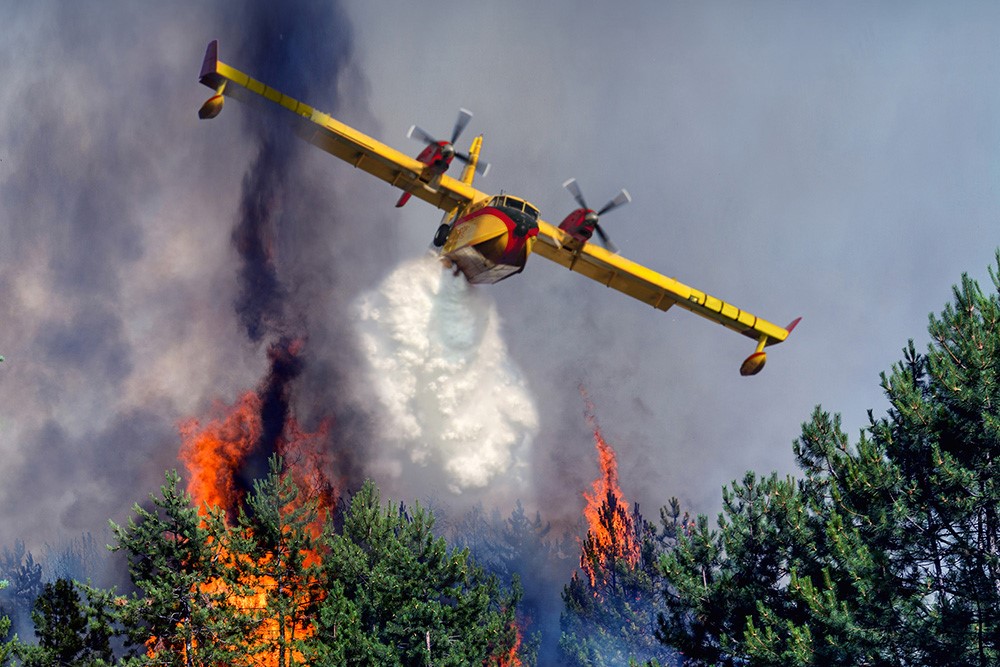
(885, 552)
(271, 549)
(70, 629)
(516, 546)
(7, 644)
(611, 611)
(24, 577)
(180, 615)
(396, 594)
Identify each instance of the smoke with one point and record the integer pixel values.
(448, 398)
(136, 287)
(261, 297)
(292, 237)
(275, 395)
(440, 369)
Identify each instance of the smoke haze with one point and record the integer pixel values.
(836, 162)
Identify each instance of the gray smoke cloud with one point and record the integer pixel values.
(139, 283)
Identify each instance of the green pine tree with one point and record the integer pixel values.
(70, 629)
(270, 547)
(24, 577)
(884, 552)
(611, 611)
(180, 615)
(7, 644)
(396, 594)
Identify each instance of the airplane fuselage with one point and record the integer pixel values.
(492, 241)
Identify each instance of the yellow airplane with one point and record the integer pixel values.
(489, 237)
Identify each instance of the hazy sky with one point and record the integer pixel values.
(837, 161)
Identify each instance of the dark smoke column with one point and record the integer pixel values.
(295, 273)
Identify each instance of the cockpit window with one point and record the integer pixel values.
(516, 204)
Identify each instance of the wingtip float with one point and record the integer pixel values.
(755, 362)
(489, 237)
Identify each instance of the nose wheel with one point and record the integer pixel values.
(441, 235)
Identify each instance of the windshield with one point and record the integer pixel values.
(516, 204)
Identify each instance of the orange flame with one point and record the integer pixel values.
(509, 657)
(214, 451)
(611, 535)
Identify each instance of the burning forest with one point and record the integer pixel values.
(273, 546)
(264, 556)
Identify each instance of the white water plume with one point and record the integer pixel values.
(452, 396)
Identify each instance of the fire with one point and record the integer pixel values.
(611, 534)
(214, 452)
(510, 658)
(220, 452)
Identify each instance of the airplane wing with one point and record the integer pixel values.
(336, 138)
(659, 291)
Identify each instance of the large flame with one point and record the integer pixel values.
(219, 451)
(611, 534)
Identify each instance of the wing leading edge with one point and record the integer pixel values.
(334, 137)
(659, 291)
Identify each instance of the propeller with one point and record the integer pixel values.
(623, 197)
(448, 147)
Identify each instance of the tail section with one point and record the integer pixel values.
(210, 65)
(472, 165)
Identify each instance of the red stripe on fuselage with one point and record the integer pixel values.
(514, 242)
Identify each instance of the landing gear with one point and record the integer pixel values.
(441, 235)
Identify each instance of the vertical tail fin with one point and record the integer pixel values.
(471, 166)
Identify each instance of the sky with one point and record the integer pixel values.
(834, 161)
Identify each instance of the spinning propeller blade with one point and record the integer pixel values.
(574, 190)
(421, 134)
(622, 197)
(464, 116)
(605, 241)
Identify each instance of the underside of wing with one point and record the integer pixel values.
(648, 286)
(335, 137)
